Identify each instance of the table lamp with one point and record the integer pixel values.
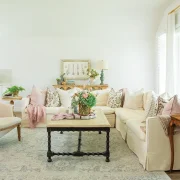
(102, 65)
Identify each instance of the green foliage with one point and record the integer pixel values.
(85, 98)
(92, 73)
(57, 79)
(14, 89)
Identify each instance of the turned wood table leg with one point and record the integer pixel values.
(19, 132)
(171, 133)
(107, 146)
(49, 153)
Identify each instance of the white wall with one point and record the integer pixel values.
(36, 34)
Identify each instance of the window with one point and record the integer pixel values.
(162, 68)
(177, 64)
(162, 63)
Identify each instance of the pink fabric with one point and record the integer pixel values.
(37, 96)
(172, 107)
(36, 113)
(62, 116)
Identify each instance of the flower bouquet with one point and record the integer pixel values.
(92, 73)
(85, 100)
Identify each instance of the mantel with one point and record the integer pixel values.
(88, 87)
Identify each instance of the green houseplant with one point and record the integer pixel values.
(58, 81)
(85, 100)
(14, 90)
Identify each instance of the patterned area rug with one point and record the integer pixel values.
(27, 160)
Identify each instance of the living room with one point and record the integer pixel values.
(89, 89)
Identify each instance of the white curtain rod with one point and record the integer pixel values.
(174, 10)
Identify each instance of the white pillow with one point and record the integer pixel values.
(101, 97)
(134, 100)
(66, 96)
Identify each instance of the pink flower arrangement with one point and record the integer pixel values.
(85, 95)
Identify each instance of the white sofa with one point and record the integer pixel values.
(152, 148)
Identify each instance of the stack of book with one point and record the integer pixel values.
(70, 82)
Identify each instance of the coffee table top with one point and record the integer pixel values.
(99, 121)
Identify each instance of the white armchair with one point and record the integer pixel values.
(7, 121)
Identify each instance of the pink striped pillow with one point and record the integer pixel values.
(172, 107)
(37, 96)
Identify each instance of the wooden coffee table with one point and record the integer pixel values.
(100, 123)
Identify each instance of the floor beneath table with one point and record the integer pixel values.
(174, 175)
(27, 159)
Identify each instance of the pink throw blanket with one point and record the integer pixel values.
(36, 114)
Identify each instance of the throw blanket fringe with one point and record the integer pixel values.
(165, 121)
(36, 114)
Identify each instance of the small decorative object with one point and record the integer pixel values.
(58, 81)
(14, 90)
(85, 100)
(92, 73)
(75, 69)
(62, 77)
(102, 65)
(70, 82)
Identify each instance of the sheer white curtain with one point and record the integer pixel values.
(171, 69)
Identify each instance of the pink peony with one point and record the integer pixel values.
(85, 95)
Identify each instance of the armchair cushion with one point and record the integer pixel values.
(6, 110)
(8, 121)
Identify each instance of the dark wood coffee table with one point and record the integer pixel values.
(100, 123)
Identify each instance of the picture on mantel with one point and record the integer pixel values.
(75, 69)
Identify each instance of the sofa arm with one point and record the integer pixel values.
(158, 146)
(155, 133)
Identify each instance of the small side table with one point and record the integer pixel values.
(175, 121)
(11, 99)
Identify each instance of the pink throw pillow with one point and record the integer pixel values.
(38, 96)
(172, 107)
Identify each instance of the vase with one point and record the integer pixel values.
(91, 80)
(15, 94)
(84, 110)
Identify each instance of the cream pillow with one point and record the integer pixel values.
(66, 96)
(101, 97)
(134, 100)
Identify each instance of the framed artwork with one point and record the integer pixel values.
(75, 69)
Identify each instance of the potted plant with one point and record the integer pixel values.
(58, 81)
(85, 100)
(14, 90)
(92, 73)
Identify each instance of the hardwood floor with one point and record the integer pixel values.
(175, 175)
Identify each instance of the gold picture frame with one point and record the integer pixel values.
(75, 69)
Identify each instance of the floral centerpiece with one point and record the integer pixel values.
(85, 100)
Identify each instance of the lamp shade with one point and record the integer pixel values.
(5, 76)
(101, 64)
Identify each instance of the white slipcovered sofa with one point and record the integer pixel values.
(152, 148)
